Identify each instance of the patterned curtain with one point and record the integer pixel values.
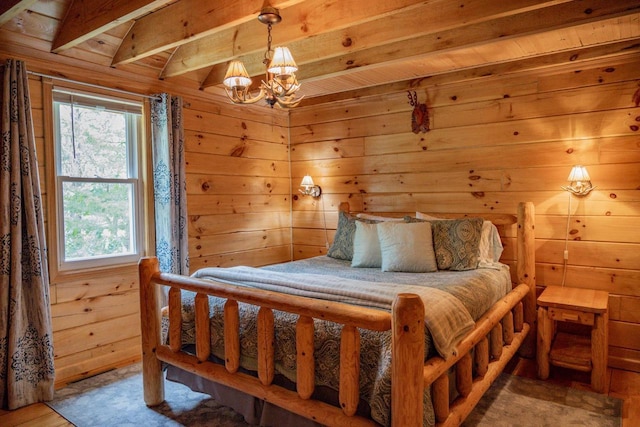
(26, 345)
(169, 184)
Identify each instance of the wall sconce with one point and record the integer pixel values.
(580, 182)
(309, 188)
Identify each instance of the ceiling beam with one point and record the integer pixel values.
(11, 8)
(316, 61)
(529, 24)
(86, 19)
(501, 51)
(185, 21)
(247, 42)
(630, 49)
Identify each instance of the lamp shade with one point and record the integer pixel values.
(237, 76)
(282, 63)
(578, 173)
(307, 181)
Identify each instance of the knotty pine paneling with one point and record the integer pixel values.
(95, 360)
(67, 315)
(264, 256)
(494, 142)
(238, 186)
(199, 204)
(207, 143)
(203, 246)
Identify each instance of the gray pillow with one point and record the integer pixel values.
(366, 246)
(456, 243)
(406, 247)
(342, 246)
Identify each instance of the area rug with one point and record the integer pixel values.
(516, 401)
(115, 399)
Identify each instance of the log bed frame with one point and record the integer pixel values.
(497, 336)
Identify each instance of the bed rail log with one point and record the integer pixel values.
(507, 327)
(471, 384)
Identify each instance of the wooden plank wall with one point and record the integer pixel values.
(495, 142)
(238, 186)
(239, 212)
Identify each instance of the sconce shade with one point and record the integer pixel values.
(237, 76)
(579, 173)
(579, 181)
(309, 188)
(307, 181)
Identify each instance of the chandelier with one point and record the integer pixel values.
(280, 84)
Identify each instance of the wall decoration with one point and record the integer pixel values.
(419, 116)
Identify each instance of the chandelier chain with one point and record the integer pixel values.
(268, 54)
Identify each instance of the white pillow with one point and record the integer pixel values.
(378, 217)
(366, 247)
(490, 244)
(407, 247)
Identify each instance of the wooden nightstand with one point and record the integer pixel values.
(583, 353)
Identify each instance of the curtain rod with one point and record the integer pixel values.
(126, 92)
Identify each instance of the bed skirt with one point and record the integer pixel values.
(255, 411)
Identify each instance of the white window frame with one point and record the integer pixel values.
(134, 125)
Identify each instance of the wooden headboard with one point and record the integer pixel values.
(496, 218)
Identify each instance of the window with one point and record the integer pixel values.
(98, 190)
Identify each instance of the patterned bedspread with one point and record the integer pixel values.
(452, 299)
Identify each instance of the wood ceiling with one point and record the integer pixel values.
(344, 48)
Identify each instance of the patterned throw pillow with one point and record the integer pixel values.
(457, 243)
(342, 246)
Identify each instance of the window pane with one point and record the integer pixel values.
(99, 148)
(98, 219)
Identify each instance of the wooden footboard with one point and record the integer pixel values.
(353, 319)
(494, 340)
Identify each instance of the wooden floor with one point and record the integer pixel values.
(621, 384)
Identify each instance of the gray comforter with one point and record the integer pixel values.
(452, 300)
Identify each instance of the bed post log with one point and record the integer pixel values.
(266, 338)
(203, 327)
(152, 380)
(175, 319)
(305, 359)
(407, 361)
(349, 369)
(231, 336)
(526, 272)
(481, 357)
(507, 328)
